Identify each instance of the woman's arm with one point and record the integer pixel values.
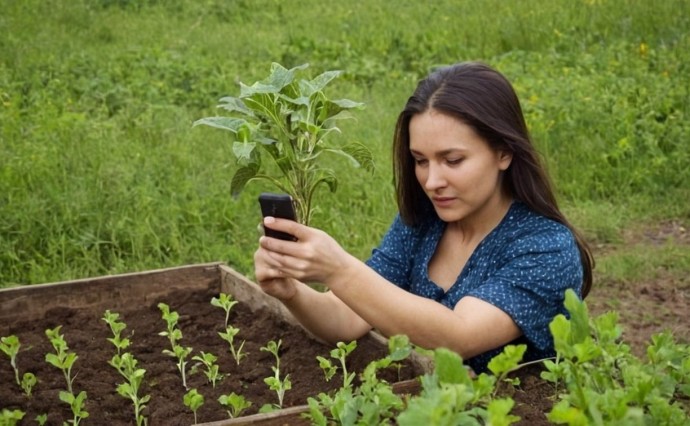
(473, 327)
(322, 313)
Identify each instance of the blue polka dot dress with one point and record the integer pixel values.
(523, 267)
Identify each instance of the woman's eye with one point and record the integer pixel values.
(454, 161)
(420, 161)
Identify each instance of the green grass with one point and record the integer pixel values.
(101, 172)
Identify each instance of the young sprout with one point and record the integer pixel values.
(229, 336)
(225, 302)
(174, 335)
(116, 327)
(340, 353)
(130, 388)
(171, 317)
(126, 365)
(212, 370)
(234, 403)
(193, 400)
(62, 358)
(274, 382)
(11, 417)
(41, 419)
(29, 380)
(76, 403)
(10, 346)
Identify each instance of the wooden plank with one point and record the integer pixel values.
(113, 292)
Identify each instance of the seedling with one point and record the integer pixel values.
(174, 335)
(126, 365)
(171, 317)
(116, 327)
(235, 404)
(340, 353)
(29, 380)
(211, 371)
(10, 346)
(76, 403)
(193, 400)
(225, 302)
(41, 419)
(130, 389)
(62, 358)
(229, 336)
(373, 402)
(502, 364)
(274, 382)
(11, 417)
(289, 121)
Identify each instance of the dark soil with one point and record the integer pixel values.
(86, 334)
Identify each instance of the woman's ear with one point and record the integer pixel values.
(505, 157)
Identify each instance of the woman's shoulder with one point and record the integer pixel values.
(522, 224)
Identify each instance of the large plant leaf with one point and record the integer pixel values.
(243, 151)
(328, 177)
(233, 104)
(358, 154)
(231, 124)
(241, 177)
(310, 87)
(276, 81)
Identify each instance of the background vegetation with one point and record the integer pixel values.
(101, 171)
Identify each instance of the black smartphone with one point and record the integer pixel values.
(277, 205)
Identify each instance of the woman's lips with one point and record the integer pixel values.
(442, 201)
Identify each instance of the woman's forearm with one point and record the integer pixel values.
(324, 315)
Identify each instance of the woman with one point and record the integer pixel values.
(479, 256)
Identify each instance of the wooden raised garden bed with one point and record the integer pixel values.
(79, 306)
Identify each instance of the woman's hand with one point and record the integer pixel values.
(271, 280)
(314, 257)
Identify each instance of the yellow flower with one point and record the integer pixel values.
(644, 49)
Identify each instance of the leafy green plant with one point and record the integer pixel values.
(229, 336)
(211, 369)
(11, 417)
(41, 419)
(62, 358)
(451, 396)
(77, 405)
(116, 327)
(373, 402)
(193, 400)
(225, 302)
(130, 389)
(604, 383)
(290, 121)
(275, 383)
(174, 334)
(10, 345)
(126, 364)
(234, 403)
(340, 353)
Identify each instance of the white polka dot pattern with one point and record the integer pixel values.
(522, 267)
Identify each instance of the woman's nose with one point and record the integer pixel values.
(435, 178)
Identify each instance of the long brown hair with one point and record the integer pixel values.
(484, 99)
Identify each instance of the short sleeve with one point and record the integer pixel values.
(530, 285)
(392, 259)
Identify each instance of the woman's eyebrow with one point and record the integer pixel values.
(440, 153)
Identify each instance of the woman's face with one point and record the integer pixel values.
(458, 170)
